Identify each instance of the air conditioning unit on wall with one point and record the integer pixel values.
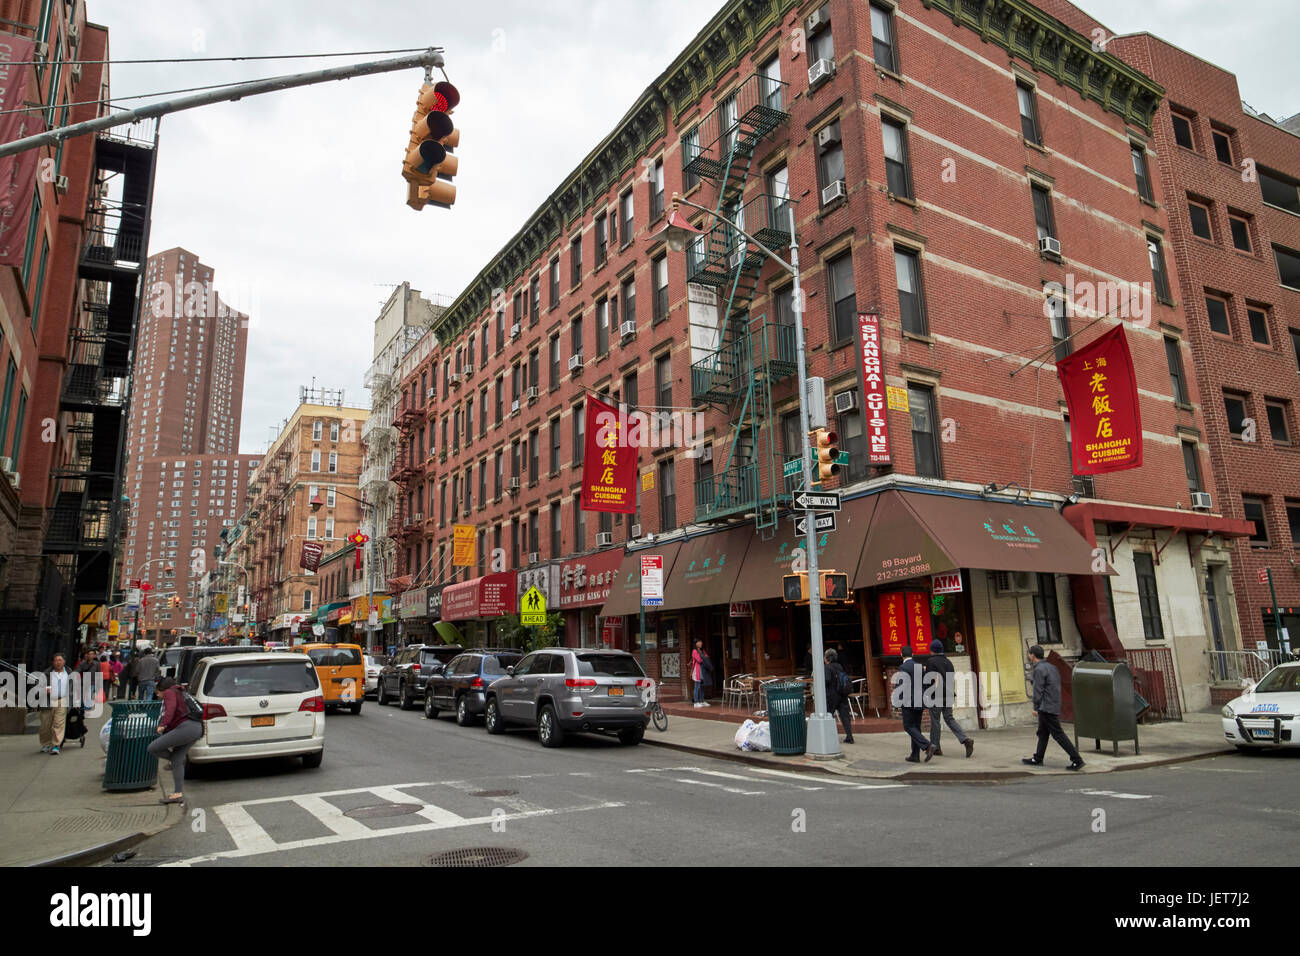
(1008, 583)
(1201, 501)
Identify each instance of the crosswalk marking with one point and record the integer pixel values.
(738, 776)
(331, 816)
(427, 810)
(243, 829)
(1112, 793)
(706, 783)
(839, 783)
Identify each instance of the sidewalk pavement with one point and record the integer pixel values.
(997, 753)
(54, 810)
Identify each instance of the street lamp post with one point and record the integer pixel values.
(823, 741)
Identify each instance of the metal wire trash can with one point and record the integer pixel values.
(130, 766)
(785, 711)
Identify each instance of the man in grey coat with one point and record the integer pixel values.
(1047, 708)
(147, 672)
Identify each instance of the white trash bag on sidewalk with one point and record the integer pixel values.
(760, 738)
(742, 735)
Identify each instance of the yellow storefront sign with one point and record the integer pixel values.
(897, 399)
(462, 555)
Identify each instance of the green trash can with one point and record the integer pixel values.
(785, 712)
(130, 766)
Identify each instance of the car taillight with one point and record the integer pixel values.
(476, 682)
(415, 667)
(580, 682)
(315, 705)
(644, 682)
(213, 710)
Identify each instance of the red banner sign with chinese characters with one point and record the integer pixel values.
(1101, 392)
(919, 632)
(17, 173)
(873, 388)
(608, 464)
(893, 623)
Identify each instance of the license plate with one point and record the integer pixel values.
(616, 692)
(1262, 734)
(264, 721)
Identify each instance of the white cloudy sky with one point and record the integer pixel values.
(296, 199)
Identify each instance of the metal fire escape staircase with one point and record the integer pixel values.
(736, 362)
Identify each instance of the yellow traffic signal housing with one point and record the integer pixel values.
(835, 586)
(794, 588)
(428, 164)
(825, 450)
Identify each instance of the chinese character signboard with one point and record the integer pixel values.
(919, 632)
(586, 582)
(462, 555)
(893, 623)
(609, 462)
(872, 369)
(17, 173)
(1101, 392)
(311, 554)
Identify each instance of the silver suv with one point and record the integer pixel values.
(563, 689)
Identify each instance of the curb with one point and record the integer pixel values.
(979, 776)
(103, 851)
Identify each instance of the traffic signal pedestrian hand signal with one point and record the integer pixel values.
(429, 166)
(835, 586)
(825, 450)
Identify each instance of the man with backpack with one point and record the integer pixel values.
(838, 687)
(941, 710)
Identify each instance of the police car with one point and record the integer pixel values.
(1267, 715)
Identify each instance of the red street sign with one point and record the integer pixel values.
(1263, 575)
(133, 583)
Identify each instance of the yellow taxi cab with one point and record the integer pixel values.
(342, 672)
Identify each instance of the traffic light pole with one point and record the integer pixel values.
(432, 57)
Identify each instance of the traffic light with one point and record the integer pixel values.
(795, 588)
(835, 586)
(825, 449)
(429, 166)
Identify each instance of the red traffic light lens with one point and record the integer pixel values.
(449, 95)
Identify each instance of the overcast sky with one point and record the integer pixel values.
(296, 199)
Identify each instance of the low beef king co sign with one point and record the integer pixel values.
(1101, 392)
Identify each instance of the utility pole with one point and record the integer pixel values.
(430, 58)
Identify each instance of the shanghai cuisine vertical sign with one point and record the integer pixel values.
(873, 388)
(609, 462)
(1101, 393)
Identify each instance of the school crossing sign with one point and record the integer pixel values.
(532, 608)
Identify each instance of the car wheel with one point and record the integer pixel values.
(312, 761)
(631, 736)
(549, 731)
(463, 716)
(492, 718)
(356, 709)
(430, 712)
(404, 695)
(380, 697)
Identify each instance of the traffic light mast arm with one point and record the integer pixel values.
(432, 57)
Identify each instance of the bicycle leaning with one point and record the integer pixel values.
(651, 700)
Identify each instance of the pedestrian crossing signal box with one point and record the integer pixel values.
(835, 586)
(795, 588)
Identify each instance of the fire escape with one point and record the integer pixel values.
(736, 363)
(89, 504)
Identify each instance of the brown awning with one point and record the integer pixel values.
(768, 561)
(707, 567)
(625, 591)
(916, 534)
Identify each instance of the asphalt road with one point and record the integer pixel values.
(425, 787)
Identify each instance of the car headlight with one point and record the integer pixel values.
(1227, 711)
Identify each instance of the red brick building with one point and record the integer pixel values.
(970, 176)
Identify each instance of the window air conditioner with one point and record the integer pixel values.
(828, 135)
(604, 538)
(1015, 582)
(430, 392)
(819, 73)
(531, 394)
(817, 21)
(833, 192)
(76, 73)
(515, 330)
(706, 453)
(636, 531)
(6, 465)
(512, 485)
(627, 329)
(846, 401)
(453, 378)
(41, 51)
(417, 518)
(514, 407)
(1201, 501)
(468, 369)
(534, 557)
(575, 362)
(1050, 244)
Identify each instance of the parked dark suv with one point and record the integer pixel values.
(406, 674)
(183, 660)
(563, 689)
(460, 686)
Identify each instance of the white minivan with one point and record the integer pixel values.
(259, 705)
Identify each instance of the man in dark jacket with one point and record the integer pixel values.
(836, 702)
(908, 696)
(1047, 708)
(940, 665)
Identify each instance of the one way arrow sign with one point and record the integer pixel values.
(824, 522)
(825, 501)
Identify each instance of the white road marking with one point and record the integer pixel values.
(1112, 793)
(1211, 769)
(737, 776)
(705, 783)
(243, 829)
(332, 816)
(427, 810)
(834, 780)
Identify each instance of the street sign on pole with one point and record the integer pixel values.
(133, 599)
(532, 608)
(792, 468)
(824, 522)
(823, 501)
(652, 580)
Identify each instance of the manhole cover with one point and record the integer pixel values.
(384, 810)
(494, 793)
(479, 856)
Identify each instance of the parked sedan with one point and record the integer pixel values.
(561, 690)
(1267, 715)
(259, 705)
(405, 675)
(460, 686)
(373, 666)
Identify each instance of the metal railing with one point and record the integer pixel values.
(744, 116)
(734, 490)
(1244, 666)
(1156, 681)
(714, 257)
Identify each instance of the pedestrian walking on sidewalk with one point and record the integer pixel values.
(942, 714)
(146, 672)
(115, 665)
(56, 698)
(837, 693)
(132, 682)
(908, 696)
(179, 730)
(1047, 708)
(701, 672)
